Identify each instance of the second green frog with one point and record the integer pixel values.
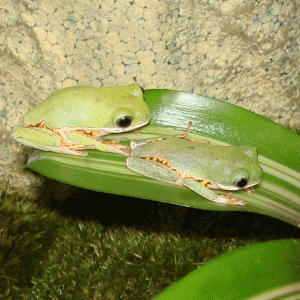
(197, 165)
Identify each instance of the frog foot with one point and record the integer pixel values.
(234, 201)
(183, 136)
(250, 191)
(121, 149)
(187, 131)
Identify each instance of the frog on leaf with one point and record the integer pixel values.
(76, 118)
(197, 165)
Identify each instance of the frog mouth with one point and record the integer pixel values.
(129, 128)
(233, 187)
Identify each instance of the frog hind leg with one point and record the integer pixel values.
(47, 140)
(152, 170)
(105, 146)
(211, 195)
(187, 131)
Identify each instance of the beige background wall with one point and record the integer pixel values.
(244, 52)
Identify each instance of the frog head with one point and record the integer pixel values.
(242, 170)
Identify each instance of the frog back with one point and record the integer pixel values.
(87, 107)
(213, 162)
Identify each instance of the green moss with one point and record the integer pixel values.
(46, 255)
(27, 233)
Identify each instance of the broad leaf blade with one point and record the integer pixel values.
(262, 271)
(225, 122)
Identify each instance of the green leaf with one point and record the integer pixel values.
(263, 271)
(278, 195)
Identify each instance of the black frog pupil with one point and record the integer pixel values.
(241, 182)
(124, 121)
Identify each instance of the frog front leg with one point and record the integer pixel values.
(86, 137)
(49, 140)
(210, 194)
(152, 169)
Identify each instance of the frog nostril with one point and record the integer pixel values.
(242, 182)
(124, 121)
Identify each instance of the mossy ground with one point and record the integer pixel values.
(114, 248)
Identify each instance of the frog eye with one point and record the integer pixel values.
(242, 182)
(124, 122)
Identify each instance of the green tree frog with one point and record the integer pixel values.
(197, 165)
(75, 118)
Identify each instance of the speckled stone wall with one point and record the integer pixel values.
(243, 52)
